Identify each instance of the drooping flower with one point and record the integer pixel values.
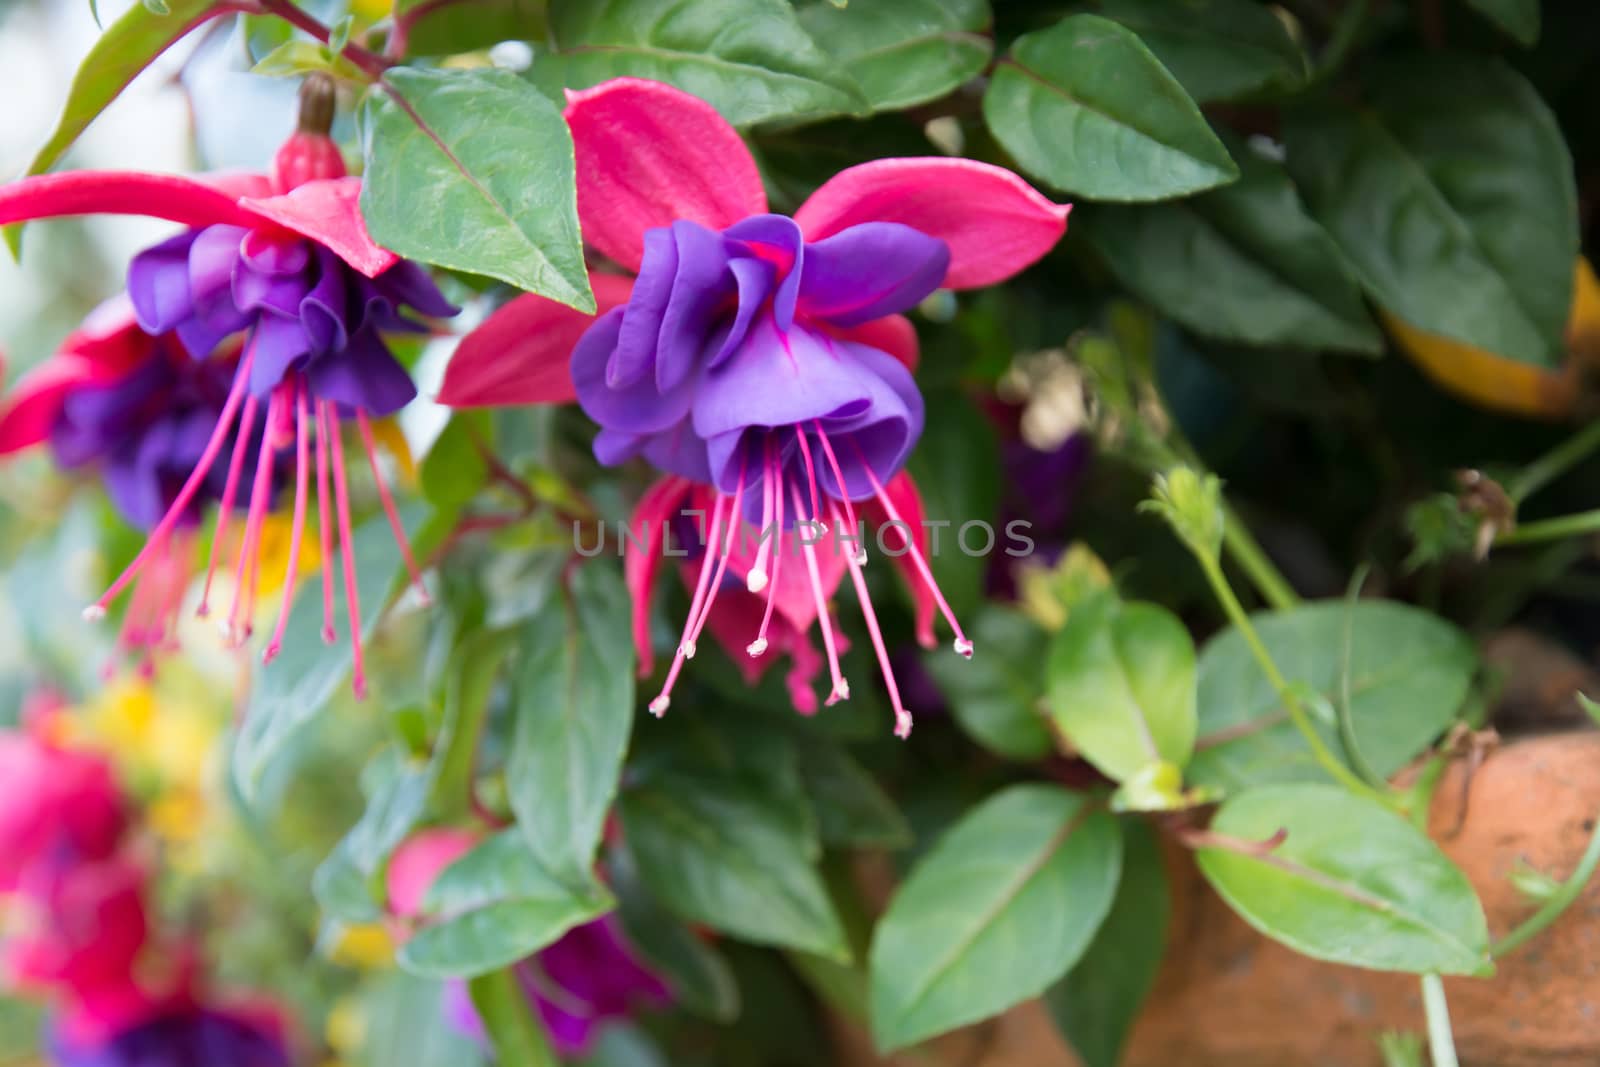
(286, 263)
(760, 355)
(187, 1035)
(136, 410)
(58, 806)
(587, 978)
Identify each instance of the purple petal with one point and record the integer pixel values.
(699, 291)
(363, 375)
(779, 379)
(776, 239)
(321, 310)
(635, 349)
(754, 278)
(871, 270)
(407, 284)
(158, 283)
(280, 346)
(636, 409)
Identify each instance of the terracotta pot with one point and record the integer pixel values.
(1229, 997)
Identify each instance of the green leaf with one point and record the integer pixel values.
(455, 469)
(293, 59)
(1453, 198)
(127, 47)
(1351, 882)
(750, 59)
(514, 1031)
(574, 712)
(1217, 49)
(1241, 263)
(1409, 673)
(405, 1010)
(996, 696)
(1095, 1005)
(852, 811)
(907, 52)
(954, 470)
(1518, 18)
(725, 851)
(293, 689)
(1120, 683)
(396, 788)
(1086, 107)
(497, 906)
(473, 170)
(699, 976)
(1002, 906)
(469, 25)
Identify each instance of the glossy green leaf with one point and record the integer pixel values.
(852, 810)
(1452, 196)
(1217, 49)
(1519, 18)
(1002, 906)
(1350, 882)
(1120, 684)
(574, 713)
(1241, 263)
(127, 47)
(1095, 1005)
(750, 59)
(473, 170)
(1409, 672)
(996, 696)
(907, 52)
(1086, 107)
(294, 688)
(724, 851)
(396, 790)
(698, 974)
(496, 905)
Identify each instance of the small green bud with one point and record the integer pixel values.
(1192, 504)
(1048, 594)
(1533, 883)
(1400, 1049)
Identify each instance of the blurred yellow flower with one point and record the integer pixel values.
(371, 10)
(346, 1028)
(366, 946)
(387, 432)
(276, 535)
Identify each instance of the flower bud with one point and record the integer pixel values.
(1192, 504)
(310, 154)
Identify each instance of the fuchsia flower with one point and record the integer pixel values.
(286, 262)
(587, 978)
(761, 356)
(58, 806)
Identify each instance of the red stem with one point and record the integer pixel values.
(370, 63)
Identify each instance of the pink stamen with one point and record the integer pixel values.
(389, 508)
(902, 717)
(97, 610)
(811, 476)
(325, 524)
(686, 649)
(962, 646)
(858, 553)
(725, 549)
(260, 491)
(302, 467)
(841, 688)
(775, 477)
(358, 677)
(241, 441)
(756, 579)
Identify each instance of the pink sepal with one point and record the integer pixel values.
(902, 493)
(329, 212)
(892, 334)
(641, 562)
(111, 192)
(418, 862)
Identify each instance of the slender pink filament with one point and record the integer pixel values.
(962, 645)
(857, 551)
(208, 456)
(241, 442)
(841, 688)
(725, 549)
(775, 478)
(902, 717)
(388, 506)
(302, 467)
(325, 524)
(757, 578)
(358, 677)
(811, 476)
(260, 492)
(686, 650)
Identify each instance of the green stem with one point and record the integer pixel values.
(514, 1030)
(1291, 703)
(1441, 1042)
(1345, 33)
(1584, 522)
(1346, 714)
(1558, 902)
(1248, 554)
(1554, 463)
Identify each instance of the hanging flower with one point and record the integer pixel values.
(587, 978)
(179, 1036)
(760, 355)
(285, 262)
(58, 806)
